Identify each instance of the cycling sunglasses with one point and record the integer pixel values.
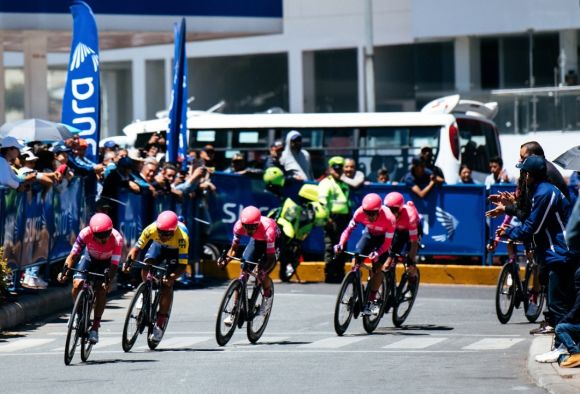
(371, 213)
(165, 234)
(103, 235)
(251, 227)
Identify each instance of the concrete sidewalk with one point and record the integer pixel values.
(549, 375)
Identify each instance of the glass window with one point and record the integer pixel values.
(478, 144)
(250, 139)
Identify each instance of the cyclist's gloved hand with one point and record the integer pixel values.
(338, 248)
(62, 276)
(127, 265)
(373, 256)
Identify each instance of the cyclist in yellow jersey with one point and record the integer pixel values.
(170, 244)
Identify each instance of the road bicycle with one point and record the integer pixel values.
(143, 309)
(353, 296)
(401, 297)
(79, 322)
(241, 303)
(511, 291)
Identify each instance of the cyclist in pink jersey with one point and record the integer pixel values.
(406, 239)
(261, 248)
(375, 239)
(102, 246)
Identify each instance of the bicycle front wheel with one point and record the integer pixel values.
(75, 322)
(136, 317)
(371, 321)
(505, 294)
(86, 345)
(406, 294)
(228, 313)
(259, 315)
(534, 299)
(345, 303)
(154, 312)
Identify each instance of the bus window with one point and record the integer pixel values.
(217, 138)
(243, 139)
(478, 144)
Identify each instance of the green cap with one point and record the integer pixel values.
(336, 161)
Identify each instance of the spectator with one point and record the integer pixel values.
(60, 163)
(164, 180)
(109, 146)
(498, 173)
(9, 152)
(427, 156)
(207, 157)
(333, 195)
(465, 176)
(420, 179)
(28, 161)
(115, 183)
(544, 226)
(574, 181)
(147, 174)
(273, 160)
(383, 176)
(238, 166)
(568, 330)
(295, 160)
(79, 163)
(351, 176)
(553, 175)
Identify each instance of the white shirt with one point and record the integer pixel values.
(7, 175)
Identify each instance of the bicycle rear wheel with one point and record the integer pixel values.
(136, 317)
(74, 330)
(371, 322)
(258, 320)
(532, 313)
(505, 294)
(86, 345)
(228, 312)
(406, 294)
(154, 312)
(345, 303)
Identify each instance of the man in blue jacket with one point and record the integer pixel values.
(545, 230)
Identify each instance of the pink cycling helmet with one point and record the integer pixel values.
(251, 215)
(166, 221)
(100, 223)
(394, 200)
(371, 202)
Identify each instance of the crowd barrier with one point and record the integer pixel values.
(39, 227)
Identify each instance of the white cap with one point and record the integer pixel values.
(29, 156)
(11, 142)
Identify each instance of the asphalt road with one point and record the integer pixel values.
(451, 343)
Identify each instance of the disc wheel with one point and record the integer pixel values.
(505, 294)
(259, 319)
(345, 303)
(406, 294)
(229, 307)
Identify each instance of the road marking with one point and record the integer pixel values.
(181, 342)
(332, 343)
(263, 341)
(22, 344)
(493, 344)
(414, 343)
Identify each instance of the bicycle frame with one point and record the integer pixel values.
(244, 276)
(356, 269)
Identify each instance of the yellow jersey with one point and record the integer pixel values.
(179, 240)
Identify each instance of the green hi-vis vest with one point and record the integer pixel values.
(334, 196)
(296, 221)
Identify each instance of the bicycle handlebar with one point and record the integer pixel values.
(88, 272)
(242, 260)
(148, 265)
(508, 241)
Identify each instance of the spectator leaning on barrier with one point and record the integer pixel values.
(80, 164)
(383, 176)
(207, 157)
(351, 176)
(115, 183)
(420, 179)
(333, 195)
(545, 228)
(427, 156)
(273, 159)
(465, 176)
(498, 173)
(9, 151)
(295, 160)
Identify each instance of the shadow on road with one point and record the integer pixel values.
(115, 361)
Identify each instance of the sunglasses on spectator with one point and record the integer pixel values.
(103, 235)
(370, 213)
(165, 234)
(250, 227)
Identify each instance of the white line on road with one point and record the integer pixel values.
(332, 343)
(22, 344)
(414, 343)
(263, 341)
(180, 342)
(493, 344)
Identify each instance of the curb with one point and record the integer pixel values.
(430, 273)
(550, 376)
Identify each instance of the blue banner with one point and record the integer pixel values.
(177, 128)
(81, 102)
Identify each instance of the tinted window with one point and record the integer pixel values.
(478, 144)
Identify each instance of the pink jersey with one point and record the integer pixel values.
(383, 225)
(267, 231)
(409, 220)
(111, 249)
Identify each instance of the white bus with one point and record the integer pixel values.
(374, 140)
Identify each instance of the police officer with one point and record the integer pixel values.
(333, 194)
